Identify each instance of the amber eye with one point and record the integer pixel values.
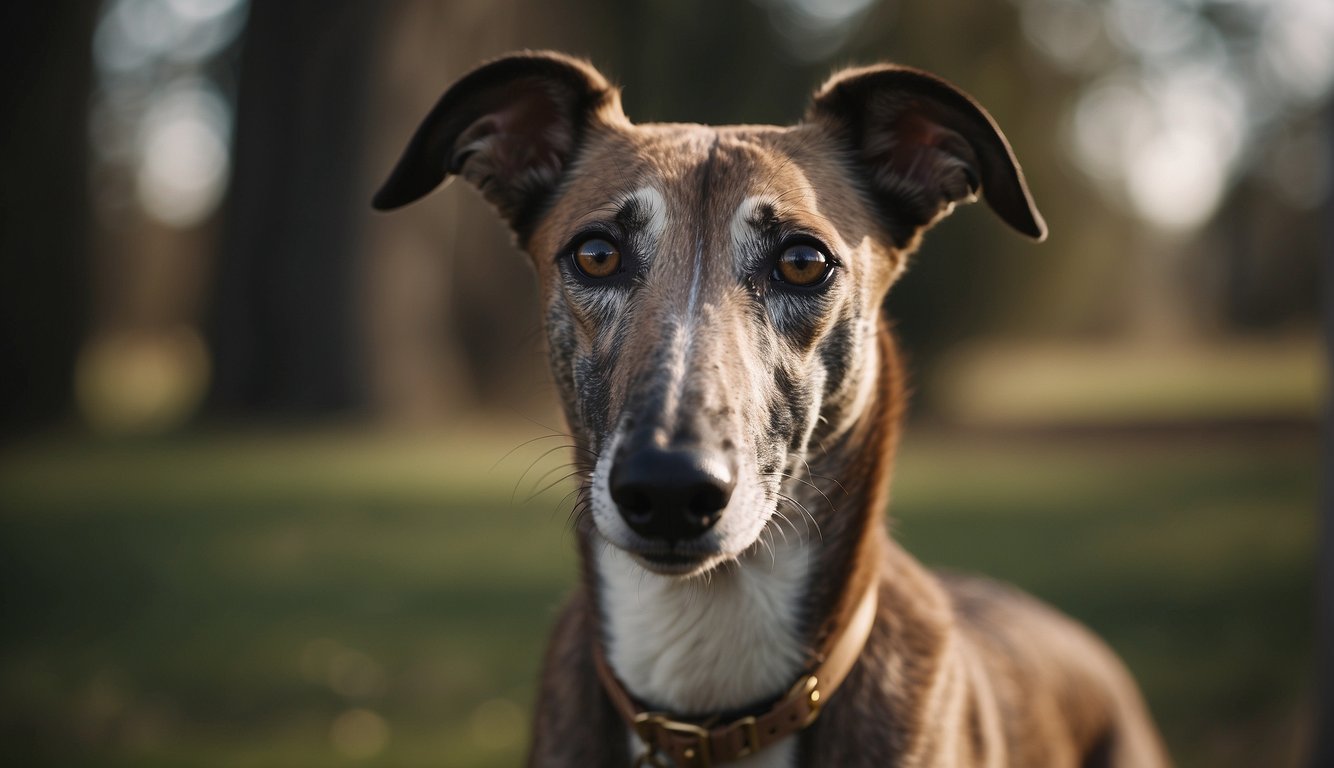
(802, 265)
(597, 258)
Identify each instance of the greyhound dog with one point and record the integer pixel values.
(712, 305)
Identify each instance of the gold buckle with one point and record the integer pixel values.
(752, 745)
(808, 688)
(644, 724)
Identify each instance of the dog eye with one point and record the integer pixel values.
(597, 258)
(802, 265)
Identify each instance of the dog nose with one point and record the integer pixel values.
(671, 494)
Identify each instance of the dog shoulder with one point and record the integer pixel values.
(1055, 682)
(1020, 633)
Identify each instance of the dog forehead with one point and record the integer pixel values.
(706, 177)
(680, 177)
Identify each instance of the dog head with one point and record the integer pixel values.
(711, 294)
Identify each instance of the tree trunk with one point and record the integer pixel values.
(285, 327)
(47, 54)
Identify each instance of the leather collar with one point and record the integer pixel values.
(699, 742)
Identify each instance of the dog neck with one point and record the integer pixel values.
(740, 634)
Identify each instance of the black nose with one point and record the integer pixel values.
(670, 493)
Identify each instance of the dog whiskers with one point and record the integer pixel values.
(577, 514)
(806, 513)
(526, 443)
(519, 483)
(811, 474)
(779, 527)
(813, 486)
(555, 483)
(766, 540)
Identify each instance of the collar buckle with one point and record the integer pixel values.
(672, 743)
(651, 727)
(808, 688)
(751, 733)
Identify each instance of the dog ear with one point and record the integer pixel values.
(509, 127)
(923, 145)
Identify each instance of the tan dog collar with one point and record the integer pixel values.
(702, 742)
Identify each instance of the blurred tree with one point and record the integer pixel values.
(450, 309)
(285, 330)
(1198, 120)
(44, 208)
(1258, 269)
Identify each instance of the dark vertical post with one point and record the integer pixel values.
(285, 330)
(46, 50)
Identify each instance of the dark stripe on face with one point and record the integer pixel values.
(593, 390)
(706, 174)
(837, 350)
(561, 346)
(790, 410)
(800, 318)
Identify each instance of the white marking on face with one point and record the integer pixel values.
(742, 227)
(684, 333)
(605, 515)
(689, 320)
(696, 277)
(651, 201)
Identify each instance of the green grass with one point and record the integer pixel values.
(227, 601)
(1031, 383)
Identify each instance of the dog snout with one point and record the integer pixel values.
(672, 494)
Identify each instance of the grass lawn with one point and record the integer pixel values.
(342, 599)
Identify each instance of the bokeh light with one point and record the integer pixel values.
(184, 154)
(814, 30)
(1196, 90)
(359, 733)
(160, 116)
(141, 382)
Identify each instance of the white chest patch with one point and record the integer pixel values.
(709, 644)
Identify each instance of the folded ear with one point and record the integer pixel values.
(921, 145)
(509, 127)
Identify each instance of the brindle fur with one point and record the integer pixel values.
(958, 671)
